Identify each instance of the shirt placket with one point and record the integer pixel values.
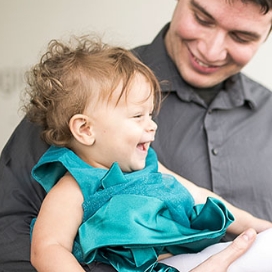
(215, 138)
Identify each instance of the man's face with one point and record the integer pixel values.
(211, 40)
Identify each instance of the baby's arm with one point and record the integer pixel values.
(243, 219)
(56, 227)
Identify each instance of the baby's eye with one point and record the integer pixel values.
(137, 116)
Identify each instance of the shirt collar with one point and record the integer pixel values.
(239, 90)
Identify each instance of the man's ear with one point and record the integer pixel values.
(81, 129)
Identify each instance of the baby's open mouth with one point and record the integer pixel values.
(143, 146)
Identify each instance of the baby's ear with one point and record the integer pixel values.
(81, 129)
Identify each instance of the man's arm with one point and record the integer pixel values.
(243, 219)
(20, 196)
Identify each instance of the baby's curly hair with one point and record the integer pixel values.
(69, 75)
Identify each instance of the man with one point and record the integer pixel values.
(214, 127)
(20, 197)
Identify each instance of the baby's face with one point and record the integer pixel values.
(124, 130)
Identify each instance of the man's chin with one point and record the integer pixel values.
(204, 83)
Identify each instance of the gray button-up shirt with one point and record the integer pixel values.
(225, 146)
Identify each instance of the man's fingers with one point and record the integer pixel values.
(239, 246)
(222, 260)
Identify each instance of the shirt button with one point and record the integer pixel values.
(214, 151)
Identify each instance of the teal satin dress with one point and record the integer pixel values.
(131, 218)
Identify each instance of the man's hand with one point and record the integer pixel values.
(222, 260)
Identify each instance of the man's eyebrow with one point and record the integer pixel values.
(196, 5)
(253, 35)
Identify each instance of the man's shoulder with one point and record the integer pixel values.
(140, 48)
(142, 52)
(253, 84)
(25, 139)
(256, 89)
(150, 52)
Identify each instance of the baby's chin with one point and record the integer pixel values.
(135, 167)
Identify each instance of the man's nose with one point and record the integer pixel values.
(213, 46)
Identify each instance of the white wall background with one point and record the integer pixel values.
(26, 26)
